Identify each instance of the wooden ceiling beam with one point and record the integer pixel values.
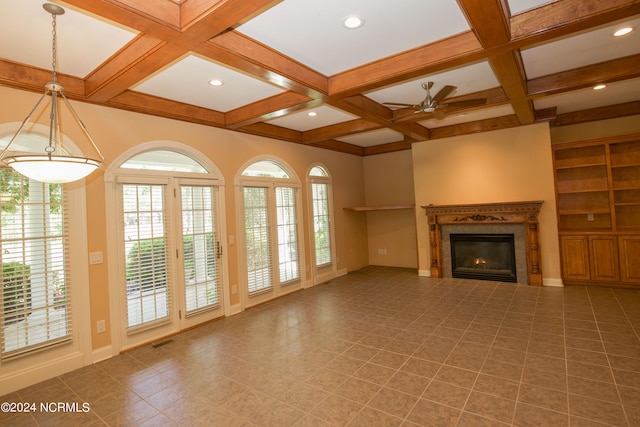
(599, 113)
(559, 18)
(270, 108)
(448, 53)
(579, 78)
(242, 53)
(370, 110)
(490, 21)
(350, 127)
(153, 105)
(20, 76)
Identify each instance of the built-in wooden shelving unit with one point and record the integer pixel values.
(598, 202)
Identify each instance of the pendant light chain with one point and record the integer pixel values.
(54, 127)
(54, 39)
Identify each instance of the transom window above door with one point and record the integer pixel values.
(164, 160)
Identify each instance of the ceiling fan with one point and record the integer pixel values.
(437, 104)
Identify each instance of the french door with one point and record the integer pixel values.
(272, 243)
(171, 257)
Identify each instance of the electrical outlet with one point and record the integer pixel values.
(590, 217)
(101, 326)
(95, 258)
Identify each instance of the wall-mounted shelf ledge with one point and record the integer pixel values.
(378, 208)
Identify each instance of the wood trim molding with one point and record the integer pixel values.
(525, 213)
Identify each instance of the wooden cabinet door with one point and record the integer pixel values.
(603, 257)
(630, 258)
(575, 257)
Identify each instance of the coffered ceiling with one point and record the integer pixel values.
(278, 61)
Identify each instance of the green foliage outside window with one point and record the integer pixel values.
(146, 265)
(16, 291)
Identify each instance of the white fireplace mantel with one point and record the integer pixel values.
(525, 213)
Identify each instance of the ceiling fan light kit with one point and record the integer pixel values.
(54, 165)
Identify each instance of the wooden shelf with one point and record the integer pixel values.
(378, 208)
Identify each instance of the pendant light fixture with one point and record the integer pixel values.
(54, 165)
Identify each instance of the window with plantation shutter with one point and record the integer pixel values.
(288, 260)
(271, 231)
(33, 242)
(201, 248)
(322, 232)
(145, 248)
(258, 239)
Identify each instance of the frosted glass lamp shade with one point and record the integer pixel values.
(53, 169)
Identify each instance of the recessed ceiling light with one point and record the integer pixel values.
(623, 31)
(312, 114)
(353, 22)
(598, 87)
(215, 83)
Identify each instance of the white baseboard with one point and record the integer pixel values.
(101, 354)
(552, 282)
(424, 273)
(342, 272)
(31, 375)
(235, 309)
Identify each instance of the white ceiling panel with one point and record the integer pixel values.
(188, 81)
(324, 116)
(519, 6)
(595, 46)
(372, 138)
(84, 42)
(315, 36)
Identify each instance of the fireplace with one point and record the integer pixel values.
(483, 257)
(517, 218)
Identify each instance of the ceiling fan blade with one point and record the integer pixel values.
(399, 104)
(444, 92)
(465, 103)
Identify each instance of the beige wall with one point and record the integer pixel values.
(501, 166)
(391, 233)
(116, 131)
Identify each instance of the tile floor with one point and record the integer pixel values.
(377, 347)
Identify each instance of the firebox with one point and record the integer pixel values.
(483, 257)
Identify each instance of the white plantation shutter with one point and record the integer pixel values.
(145, 248)
(321, 223)
(258, 239)
(288, 258)
(36, 306)
(201, 249)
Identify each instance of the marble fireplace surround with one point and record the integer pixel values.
(517, 218)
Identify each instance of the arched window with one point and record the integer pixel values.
(322, 232)
(166, 204)
(272, 238)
